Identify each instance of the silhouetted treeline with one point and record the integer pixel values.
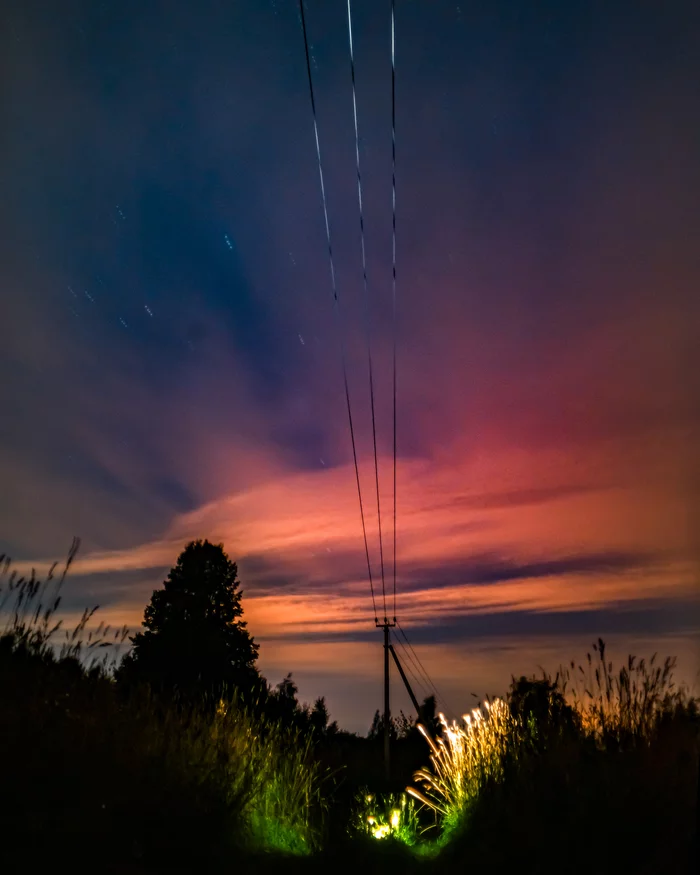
(198, 763)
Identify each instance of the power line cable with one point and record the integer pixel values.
(393, 251)
(423, 669)
(413, 656)
(408, 661)
(438, 694)
(336, 306)
(366, 291)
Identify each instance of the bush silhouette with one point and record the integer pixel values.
(540, 710)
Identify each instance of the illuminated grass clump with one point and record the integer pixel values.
(462, 758)
(386, 816)
(284, 804)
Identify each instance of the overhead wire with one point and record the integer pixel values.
(336, 306)
(366, 292)
(421, 675)
(432, 684)
(413, 657)
(408, 661)
(393, 258)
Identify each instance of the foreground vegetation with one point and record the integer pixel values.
(595, 768)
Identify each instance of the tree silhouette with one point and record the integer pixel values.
(401, 726)
(319, 719)
(194, 643)
(281, 703)
(376, 730)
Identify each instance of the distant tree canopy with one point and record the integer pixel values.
(402, 726)
(194, 643)
(281, 705)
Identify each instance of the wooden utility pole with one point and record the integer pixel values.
(387, 707)
(386, 625)
(388, 648)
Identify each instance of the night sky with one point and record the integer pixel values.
(170, 363)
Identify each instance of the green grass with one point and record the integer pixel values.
(383, 816)
(88, 767)
(285, 809)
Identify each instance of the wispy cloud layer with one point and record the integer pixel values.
(171, 366)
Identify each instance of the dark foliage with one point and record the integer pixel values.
(572, 801)
(87, 773)
(195, 644)
(539, 706)
(110, 774)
